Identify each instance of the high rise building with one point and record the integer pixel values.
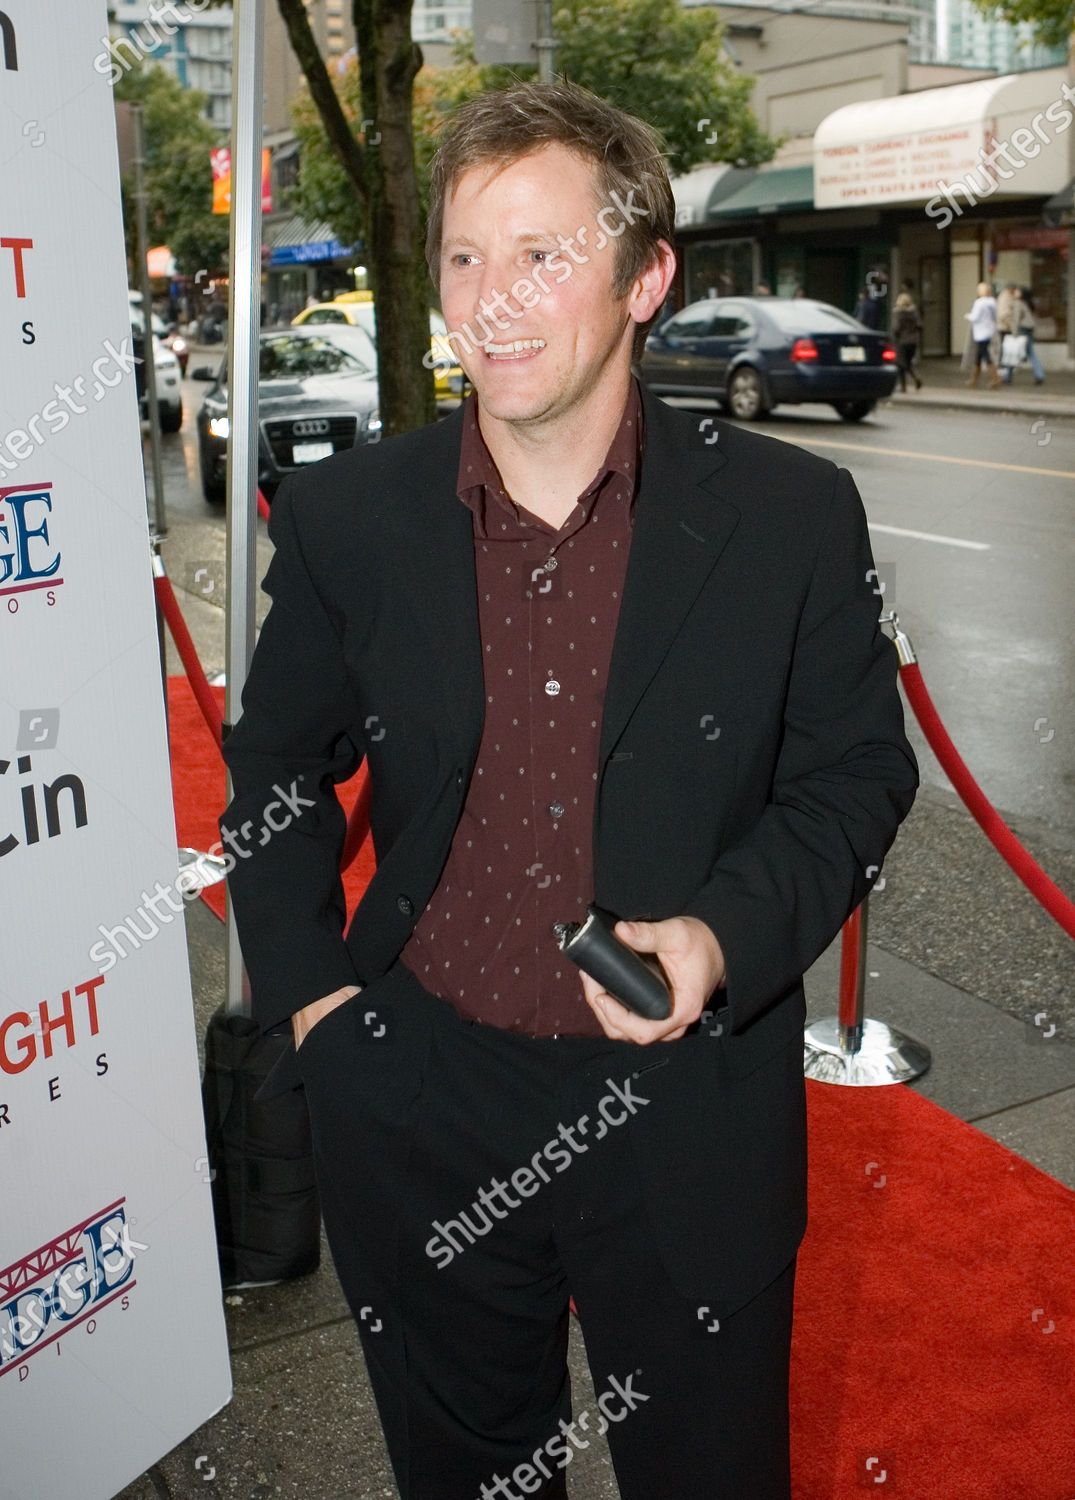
(195, 46)
(939, 31)
(433, 21)
(334, 32)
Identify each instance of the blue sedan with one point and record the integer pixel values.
(754, 353)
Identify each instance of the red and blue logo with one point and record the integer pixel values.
(28, 558)
(64, 1284)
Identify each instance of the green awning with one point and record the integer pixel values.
(782, 190)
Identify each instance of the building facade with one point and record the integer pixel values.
(194, 46)
(891, 171)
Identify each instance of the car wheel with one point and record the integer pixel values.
(214, 490)
(171, 418)
(746, 394)
(853, 411)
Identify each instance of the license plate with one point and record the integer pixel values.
(309, 453)
(852, 353)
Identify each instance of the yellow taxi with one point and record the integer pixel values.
(356, 310)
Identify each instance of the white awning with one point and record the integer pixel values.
(938, 144)
(698, 191)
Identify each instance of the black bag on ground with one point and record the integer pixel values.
(265, 1200)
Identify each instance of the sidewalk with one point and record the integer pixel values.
(960, 957)
(943, 384)
(302, 1424)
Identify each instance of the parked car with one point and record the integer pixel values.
(315, 398)
(356, 310)
(352, 338)
(754, 353)
(168, 371)
(168, 333)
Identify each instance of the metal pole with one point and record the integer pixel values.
(244, 270)
(158, 520)
(853, 979)
(546, 42)
(160, 525)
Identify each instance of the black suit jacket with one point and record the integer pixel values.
(753, 766)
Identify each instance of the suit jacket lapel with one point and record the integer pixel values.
(683, 521)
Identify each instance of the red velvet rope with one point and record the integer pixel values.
(195, 675)
(1059, 906)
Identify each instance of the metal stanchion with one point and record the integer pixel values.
(852, 1048)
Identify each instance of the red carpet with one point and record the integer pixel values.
(935, 1300)
(199, 789)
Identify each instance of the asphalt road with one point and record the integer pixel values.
(972, 520)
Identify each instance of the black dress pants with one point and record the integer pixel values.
(472, 1179)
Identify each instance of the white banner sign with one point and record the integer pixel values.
(113, 1345)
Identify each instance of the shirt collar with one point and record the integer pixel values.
(478, 483)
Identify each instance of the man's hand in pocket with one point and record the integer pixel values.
(306, 1019)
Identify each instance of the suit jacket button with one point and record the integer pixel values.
(406, 905)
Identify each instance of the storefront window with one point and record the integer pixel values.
(1034, 256)
(720, 268)
(790, 274)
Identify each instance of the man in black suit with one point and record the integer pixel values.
(592, 648)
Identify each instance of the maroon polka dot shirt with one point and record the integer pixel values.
(521, 857)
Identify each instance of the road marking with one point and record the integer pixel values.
(938, 458)
(931, 536)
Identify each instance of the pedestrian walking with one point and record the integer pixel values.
(1022, 329)
(983, 327)
(1005, 308)
(906, 331)
(868, 308)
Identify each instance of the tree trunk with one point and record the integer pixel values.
(389, 61)
(382, 170)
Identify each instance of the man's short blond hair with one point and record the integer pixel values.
(501, 126)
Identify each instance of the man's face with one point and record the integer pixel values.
(500, 237)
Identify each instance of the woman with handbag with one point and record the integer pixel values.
(906, 330)
(1022, 335)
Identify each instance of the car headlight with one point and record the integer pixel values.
(220, 427)
(374, 422)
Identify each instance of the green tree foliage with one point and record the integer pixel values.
(1053, 20)
(179, 180)
(650, 57)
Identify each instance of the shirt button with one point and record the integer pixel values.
(557, 809)
(551, 564)
(552, 687)
(406, 905)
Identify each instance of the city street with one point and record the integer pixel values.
(813, 744)
(972, 516)
(972, 519)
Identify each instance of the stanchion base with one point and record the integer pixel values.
(208, 869)
(886, 1055)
